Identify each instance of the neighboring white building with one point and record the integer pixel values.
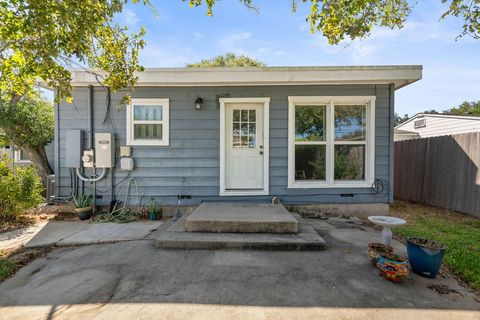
(424, 125)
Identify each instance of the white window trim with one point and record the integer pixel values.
(369, 101)
(266, 145)
(17, 157)
(165, 103)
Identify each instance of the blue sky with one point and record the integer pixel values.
(180, 34)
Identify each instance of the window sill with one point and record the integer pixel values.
(316, 185)
(148, 144)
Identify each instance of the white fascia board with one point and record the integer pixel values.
(207, 77)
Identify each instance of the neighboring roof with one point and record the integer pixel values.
(438, 115)
(433, 125)
(400, 76)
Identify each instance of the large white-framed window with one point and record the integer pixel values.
(331, 141)
(148, 122)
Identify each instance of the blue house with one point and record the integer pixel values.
(306, 135)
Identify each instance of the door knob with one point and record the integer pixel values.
(261, 152)
(261, 147)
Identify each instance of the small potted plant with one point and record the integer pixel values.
(154, 210)
(83, 206)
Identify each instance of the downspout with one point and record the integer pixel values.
(90, 135)
(90, 117)
(391, 146)
(57, 144)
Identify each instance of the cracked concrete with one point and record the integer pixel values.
(133, 279)
(68, 233)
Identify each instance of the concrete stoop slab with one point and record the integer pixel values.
(241, 218)
(176, 237)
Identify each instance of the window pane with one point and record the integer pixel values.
(310, 123)
(244, 115)
(251, 116)
(147, 112)
(147, 131)
(350, 123)
(349, 162)
(251, 142)
(236, 115)
(310, 162)
(236, 128)
(236, 141)
(23, 156)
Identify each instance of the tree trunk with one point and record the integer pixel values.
(37, 156)
(39, 159)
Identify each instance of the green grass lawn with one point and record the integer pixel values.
(460, 232)
(6, 268)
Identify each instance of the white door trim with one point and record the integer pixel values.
(266, 145)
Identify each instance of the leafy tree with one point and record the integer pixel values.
(228, 60)
(465, 108)
(340, 19)
(30, 127)
(40, 39)
(399, 119)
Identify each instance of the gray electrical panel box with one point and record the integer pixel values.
(73, 148)
(104, 150)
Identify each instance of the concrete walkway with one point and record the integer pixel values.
(19, 237)
(67, 233)
(134, 280)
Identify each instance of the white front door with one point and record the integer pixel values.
(244, 146)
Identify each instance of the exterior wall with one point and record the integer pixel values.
(194, 144)
(438, 125)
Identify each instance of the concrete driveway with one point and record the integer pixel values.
(134, 280)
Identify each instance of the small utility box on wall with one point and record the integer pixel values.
(104, 150)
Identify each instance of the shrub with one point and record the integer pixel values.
(20, 189)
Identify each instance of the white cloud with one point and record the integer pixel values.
(198, 36)
(234, 42)
(166, 54)
(129, 18)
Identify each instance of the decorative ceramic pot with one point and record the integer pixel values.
(392, 267)
(376, 249)
(425, 256)
(84, 213)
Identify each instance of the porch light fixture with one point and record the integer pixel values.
(198, 103)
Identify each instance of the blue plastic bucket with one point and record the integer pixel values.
(425, 256)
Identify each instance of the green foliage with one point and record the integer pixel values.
(354, 19)
(228, 60)
(41, 38)
(4, 141)
(153, 207)
(6, 268)
(465, 108)
(32, 121)
(399, 119)
(19, 190)
(469, 12)
(461, 234)
(83, 201)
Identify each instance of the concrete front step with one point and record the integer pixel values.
(241, 218)
(176, 237)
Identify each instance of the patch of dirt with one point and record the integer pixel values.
(19, 222)
(23, 256)
(442, 289)
(406, 210)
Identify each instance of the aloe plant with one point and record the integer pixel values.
(83, 201)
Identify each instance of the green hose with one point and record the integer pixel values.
(122, 214)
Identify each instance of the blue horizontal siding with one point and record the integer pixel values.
(191, 161)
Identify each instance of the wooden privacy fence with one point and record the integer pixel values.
(440, 171)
